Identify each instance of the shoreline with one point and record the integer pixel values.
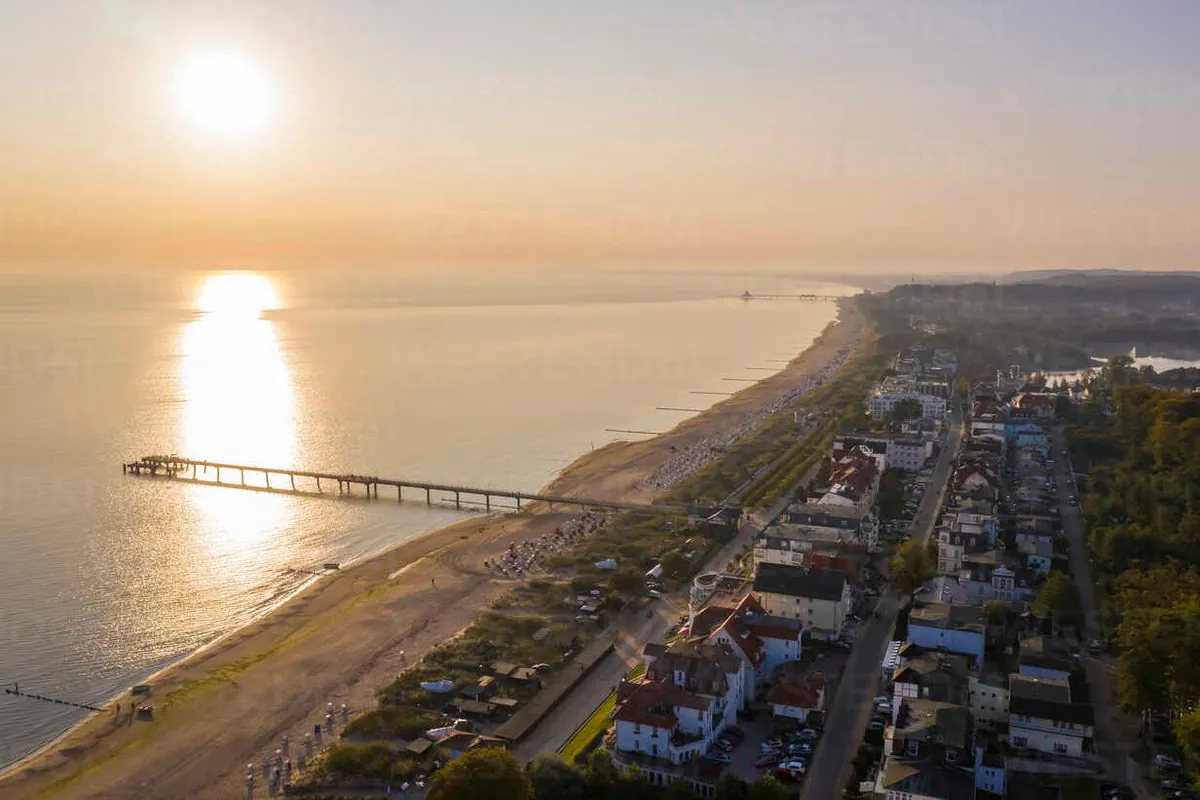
(336, 639)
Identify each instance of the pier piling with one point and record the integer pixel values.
(183, 469)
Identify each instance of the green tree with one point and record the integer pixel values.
(996, 612)
(601, 772)
(490, 772)
(910, 567)
(679, 790)
(627, 581)
(1057, 599)
(1187, 731)
(550, 777)
(905, 410)
(730, 787)
(768, 787)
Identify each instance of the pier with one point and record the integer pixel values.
(177, 468)
(812, 298)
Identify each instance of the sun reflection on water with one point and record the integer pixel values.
(239, 407)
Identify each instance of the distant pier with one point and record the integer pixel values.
(177, 468)
(812, 298)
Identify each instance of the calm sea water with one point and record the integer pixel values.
(454, 377)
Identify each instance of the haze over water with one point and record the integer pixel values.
(465, 379)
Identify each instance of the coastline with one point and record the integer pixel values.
(339, 638)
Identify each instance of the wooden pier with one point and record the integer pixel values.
(314, 483)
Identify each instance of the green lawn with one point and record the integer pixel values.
(595, 725)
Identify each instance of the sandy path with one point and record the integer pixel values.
(342, 638)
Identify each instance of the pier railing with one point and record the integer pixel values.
(314, 483)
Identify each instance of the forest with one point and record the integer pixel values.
(1143, 513)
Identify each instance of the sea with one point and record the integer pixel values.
(495, 377)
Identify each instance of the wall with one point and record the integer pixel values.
(642, 739)
(813, 612)
(956, 641)
(779, 651)
(988, 703)
(1045, 740)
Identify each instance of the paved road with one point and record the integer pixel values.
(847, 717)
(1080, 562)
(1110, 732)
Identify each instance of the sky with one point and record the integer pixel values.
(844, 135)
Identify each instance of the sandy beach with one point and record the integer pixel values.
(350, 633)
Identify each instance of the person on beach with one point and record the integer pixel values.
(433, 582)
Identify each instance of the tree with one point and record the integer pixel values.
(627, 581)
(906, 409)
(996, 612)
(550, 777)
(601, 772)
(730, 787)
(490, 772)
(1057, 598)
(679, 790)
(1187, 731)
(768, 787)
(910, 567)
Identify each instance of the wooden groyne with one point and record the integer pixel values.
(16, 692)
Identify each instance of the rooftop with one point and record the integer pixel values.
(947, 615)
(814, 582)
(933, 721)
(926, 778)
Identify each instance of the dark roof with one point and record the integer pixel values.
(826, 517)
(1046, 698)
(1078, 713)
(822, 584)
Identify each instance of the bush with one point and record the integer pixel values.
(391, 723)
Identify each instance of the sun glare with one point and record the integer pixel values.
(240, 295)
(224, 94)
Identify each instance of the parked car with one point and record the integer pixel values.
(809, 734)
(735, 733)
(876, 725)
(720, 756)
(766, 761)
(1165, 762)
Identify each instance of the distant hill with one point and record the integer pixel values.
(1077, 277)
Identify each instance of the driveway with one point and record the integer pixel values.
(846, 720)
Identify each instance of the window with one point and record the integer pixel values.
(951, 756)
(1059, 747)
(914, 747)
(1020, 741)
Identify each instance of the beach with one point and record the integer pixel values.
(350, 633)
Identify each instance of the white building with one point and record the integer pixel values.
(687, 697)
(903, 387)
(1043, 717)
(988, 700)
(957, 628)
(819, 598)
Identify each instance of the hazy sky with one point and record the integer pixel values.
(842, 134)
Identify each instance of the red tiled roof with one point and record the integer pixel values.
(752, 646)
(654, 703)
(799, 695)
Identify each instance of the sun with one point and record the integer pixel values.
(224, 93)
(236, 296)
